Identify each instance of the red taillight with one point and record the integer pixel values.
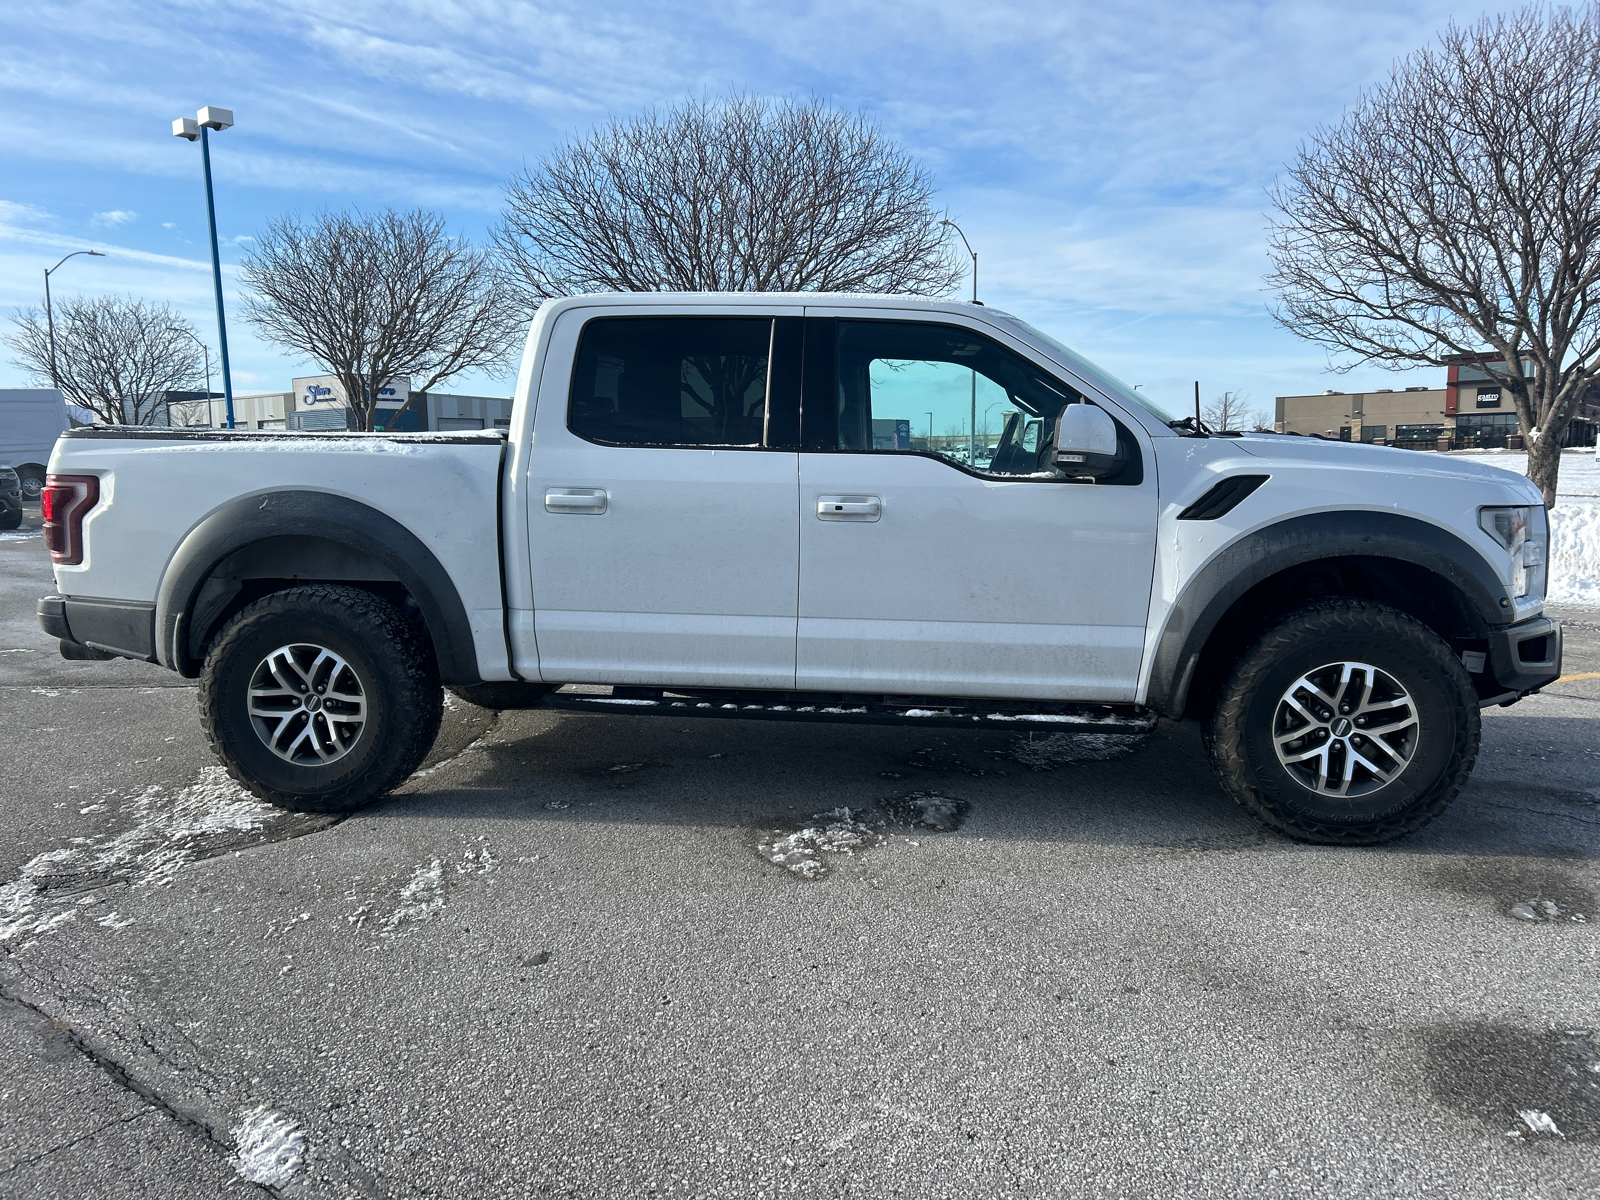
(64, 502)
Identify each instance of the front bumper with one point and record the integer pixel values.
(1526, 656)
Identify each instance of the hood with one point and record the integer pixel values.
(1414, 464)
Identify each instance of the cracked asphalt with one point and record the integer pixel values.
(559, 962)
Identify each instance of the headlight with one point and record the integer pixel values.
(1524, 531)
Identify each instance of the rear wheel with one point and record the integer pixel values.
(1349, 723)
(320, 698)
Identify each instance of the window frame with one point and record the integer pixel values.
(781, 401)
(820, 383)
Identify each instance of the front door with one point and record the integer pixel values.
(663, 502)
(940, 551)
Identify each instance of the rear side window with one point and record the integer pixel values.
(671, 381)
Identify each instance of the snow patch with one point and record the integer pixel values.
(19, 535)
(1542, 910)
(423, 896)
(1063, 749)
(271, 1148)
(840, 831)
(1539, 1122)
(168, 831)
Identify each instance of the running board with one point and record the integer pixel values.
(857, 710)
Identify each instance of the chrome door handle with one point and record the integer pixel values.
(592, 501)
(849, 508)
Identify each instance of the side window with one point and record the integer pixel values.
(941, 389)
(671, 381)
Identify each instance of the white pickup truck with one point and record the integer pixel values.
(818, 507)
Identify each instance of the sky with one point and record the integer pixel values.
(1111, 163)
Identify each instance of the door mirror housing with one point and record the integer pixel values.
(1086, 442)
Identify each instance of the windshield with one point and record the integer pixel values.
(1102, 378)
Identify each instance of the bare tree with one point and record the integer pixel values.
(1456, 210)
(114, 355)
(1231, 411)
(742, 194)
(375, 299)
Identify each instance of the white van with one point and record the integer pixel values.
(30, 421)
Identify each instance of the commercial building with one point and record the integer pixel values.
(1471, 411)
(319, 402)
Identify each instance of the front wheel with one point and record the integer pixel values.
(1350, 723)
(32, 481)
(320, 698)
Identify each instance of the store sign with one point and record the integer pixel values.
(325, 391)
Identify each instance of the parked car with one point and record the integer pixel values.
(10, 499)
(684, 517)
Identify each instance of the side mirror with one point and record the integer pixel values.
(1086, 442)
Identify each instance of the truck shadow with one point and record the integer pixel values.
(1157, 791)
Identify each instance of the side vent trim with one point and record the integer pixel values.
(1222, 498)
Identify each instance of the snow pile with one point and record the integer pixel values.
(840, 832)
(270, 1148)
(1062, 749)
(1574, 526)
(168, 831)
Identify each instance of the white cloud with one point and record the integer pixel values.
(113, 218)
(11, 211)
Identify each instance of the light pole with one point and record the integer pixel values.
(972, 430)
(49, 316)
(205, 350)
(209, 118)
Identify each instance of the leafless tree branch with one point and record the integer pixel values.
(379, 298)
(742, 194)
(116, 356)
(1456, 210)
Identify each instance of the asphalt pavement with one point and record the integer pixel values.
(563, 961)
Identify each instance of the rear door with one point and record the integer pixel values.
(940, 551)
(663, 499)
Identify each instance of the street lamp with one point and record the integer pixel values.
(49, 316)
(206, 350)
(972, 431)
(209, 118)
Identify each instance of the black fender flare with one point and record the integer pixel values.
(1263, 553)
(323, 515)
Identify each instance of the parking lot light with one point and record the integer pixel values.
(49, 316)
(205, 121)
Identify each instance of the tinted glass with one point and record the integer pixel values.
(671, 381)
(944, 390)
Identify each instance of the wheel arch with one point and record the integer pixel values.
(262, 543)
(1407, 563)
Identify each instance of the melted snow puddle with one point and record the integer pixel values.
(270, 1150)
(423, 896)
(169, 830)
(1063, 749)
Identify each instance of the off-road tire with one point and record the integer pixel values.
(397, 670)
(1239, 732)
